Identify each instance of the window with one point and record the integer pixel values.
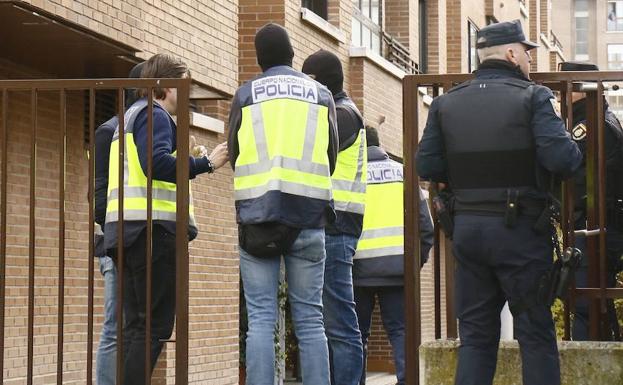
(615, 16)
(615, 57)
(581, 30)
(423, 32)
(319, 7)
(472, 57)
(367, 25)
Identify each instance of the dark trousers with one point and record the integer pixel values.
(614, 247)
(134, 301)
(391, 302)
(494, 264)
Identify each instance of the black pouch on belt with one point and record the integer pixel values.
(266, 240)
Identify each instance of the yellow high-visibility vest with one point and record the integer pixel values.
(164, 204)
(349, 178)
(283, 145)
(383, 220)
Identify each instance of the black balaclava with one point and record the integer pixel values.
(327, 69)
(272, 46)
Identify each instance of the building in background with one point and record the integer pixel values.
(378, 41)
(593, 31)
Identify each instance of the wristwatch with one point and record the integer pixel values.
(210, 165)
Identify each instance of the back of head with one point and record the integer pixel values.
(273, 47)
(163, 66)
(131, 94)
(326, 68)
(372, 136)
(494, 39)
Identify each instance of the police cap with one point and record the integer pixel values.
(577, 66)
(503, 33)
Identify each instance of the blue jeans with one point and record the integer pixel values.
(340, 317)
(304, 273)
(391, 302)
(106, 361)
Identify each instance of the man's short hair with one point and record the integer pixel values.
(163, 66)
(372, 136)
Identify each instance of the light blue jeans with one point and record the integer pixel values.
(304, 274)
(106, 360)
(340, 317)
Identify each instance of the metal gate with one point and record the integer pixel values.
(564, 83)
(34, 88)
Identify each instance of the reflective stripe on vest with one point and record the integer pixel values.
(383, 220)
(349, 178)
(164, 204)
(283, 147)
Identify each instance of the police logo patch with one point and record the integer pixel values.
(284, 86)
(556, 107)
(579, 132)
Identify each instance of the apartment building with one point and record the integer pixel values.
(593, 31)
(378, 41)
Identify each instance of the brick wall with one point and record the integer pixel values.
(213, 329)
(202, 32)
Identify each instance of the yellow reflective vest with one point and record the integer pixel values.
(383, 220)
(282, 169)
(135, 182)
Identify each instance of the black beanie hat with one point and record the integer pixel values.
(272, 46)
(131, 94)
(327, 69)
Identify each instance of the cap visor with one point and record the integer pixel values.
(530, 44)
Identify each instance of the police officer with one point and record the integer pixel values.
(487, 138)
(379, 261)
(283, 147)
(163, 213)
(106, 360)
(349, 187)
(613, 142)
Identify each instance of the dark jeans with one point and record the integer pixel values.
(391, 302)
(134, 301)
(614, 247)
(495, 264)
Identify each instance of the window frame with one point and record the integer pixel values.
(471, 46)
(618, 21)
(366, 22)
(319, 7)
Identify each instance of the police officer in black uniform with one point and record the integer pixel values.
(614, 204)
(492, 139)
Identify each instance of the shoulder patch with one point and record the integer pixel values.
(579, 132)
(556, 107)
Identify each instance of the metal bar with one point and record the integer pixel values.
(592, 209)
(597, 292)
(568, 222)
(31, 246)
(86, 84)
(436, 258)
(3, 209)
(61, 236)
(181, 234)
(588, 233)
(149, 233)
(601, 179)
(120, 237)
(91, 235)
(451, 324)
(412, 234)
